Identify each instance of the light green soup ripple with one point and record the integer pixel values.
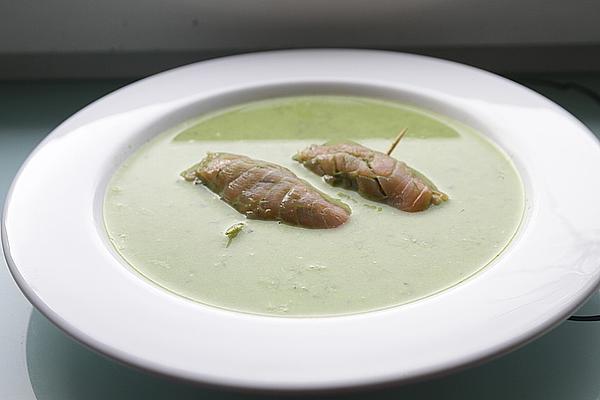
(172, 231)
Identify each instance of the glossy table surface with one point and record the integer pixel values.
(38, 361)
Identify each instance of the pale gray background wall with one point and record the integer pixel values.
(61, 38)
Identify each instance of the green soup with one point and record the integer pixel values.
(172, 231)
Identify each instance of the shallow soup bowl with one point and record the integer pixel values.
(58, 250)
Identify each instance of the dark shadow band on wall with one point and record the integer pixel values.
(115, 64)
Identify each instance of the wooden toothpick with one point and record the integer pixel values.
(397, 140)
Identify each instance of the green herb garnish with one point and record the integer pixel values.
(376, 208)
(233, 231)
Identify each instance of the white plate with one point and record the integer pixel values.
(59, 254)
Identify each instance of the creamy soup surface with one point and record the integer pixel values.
(172, 231)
